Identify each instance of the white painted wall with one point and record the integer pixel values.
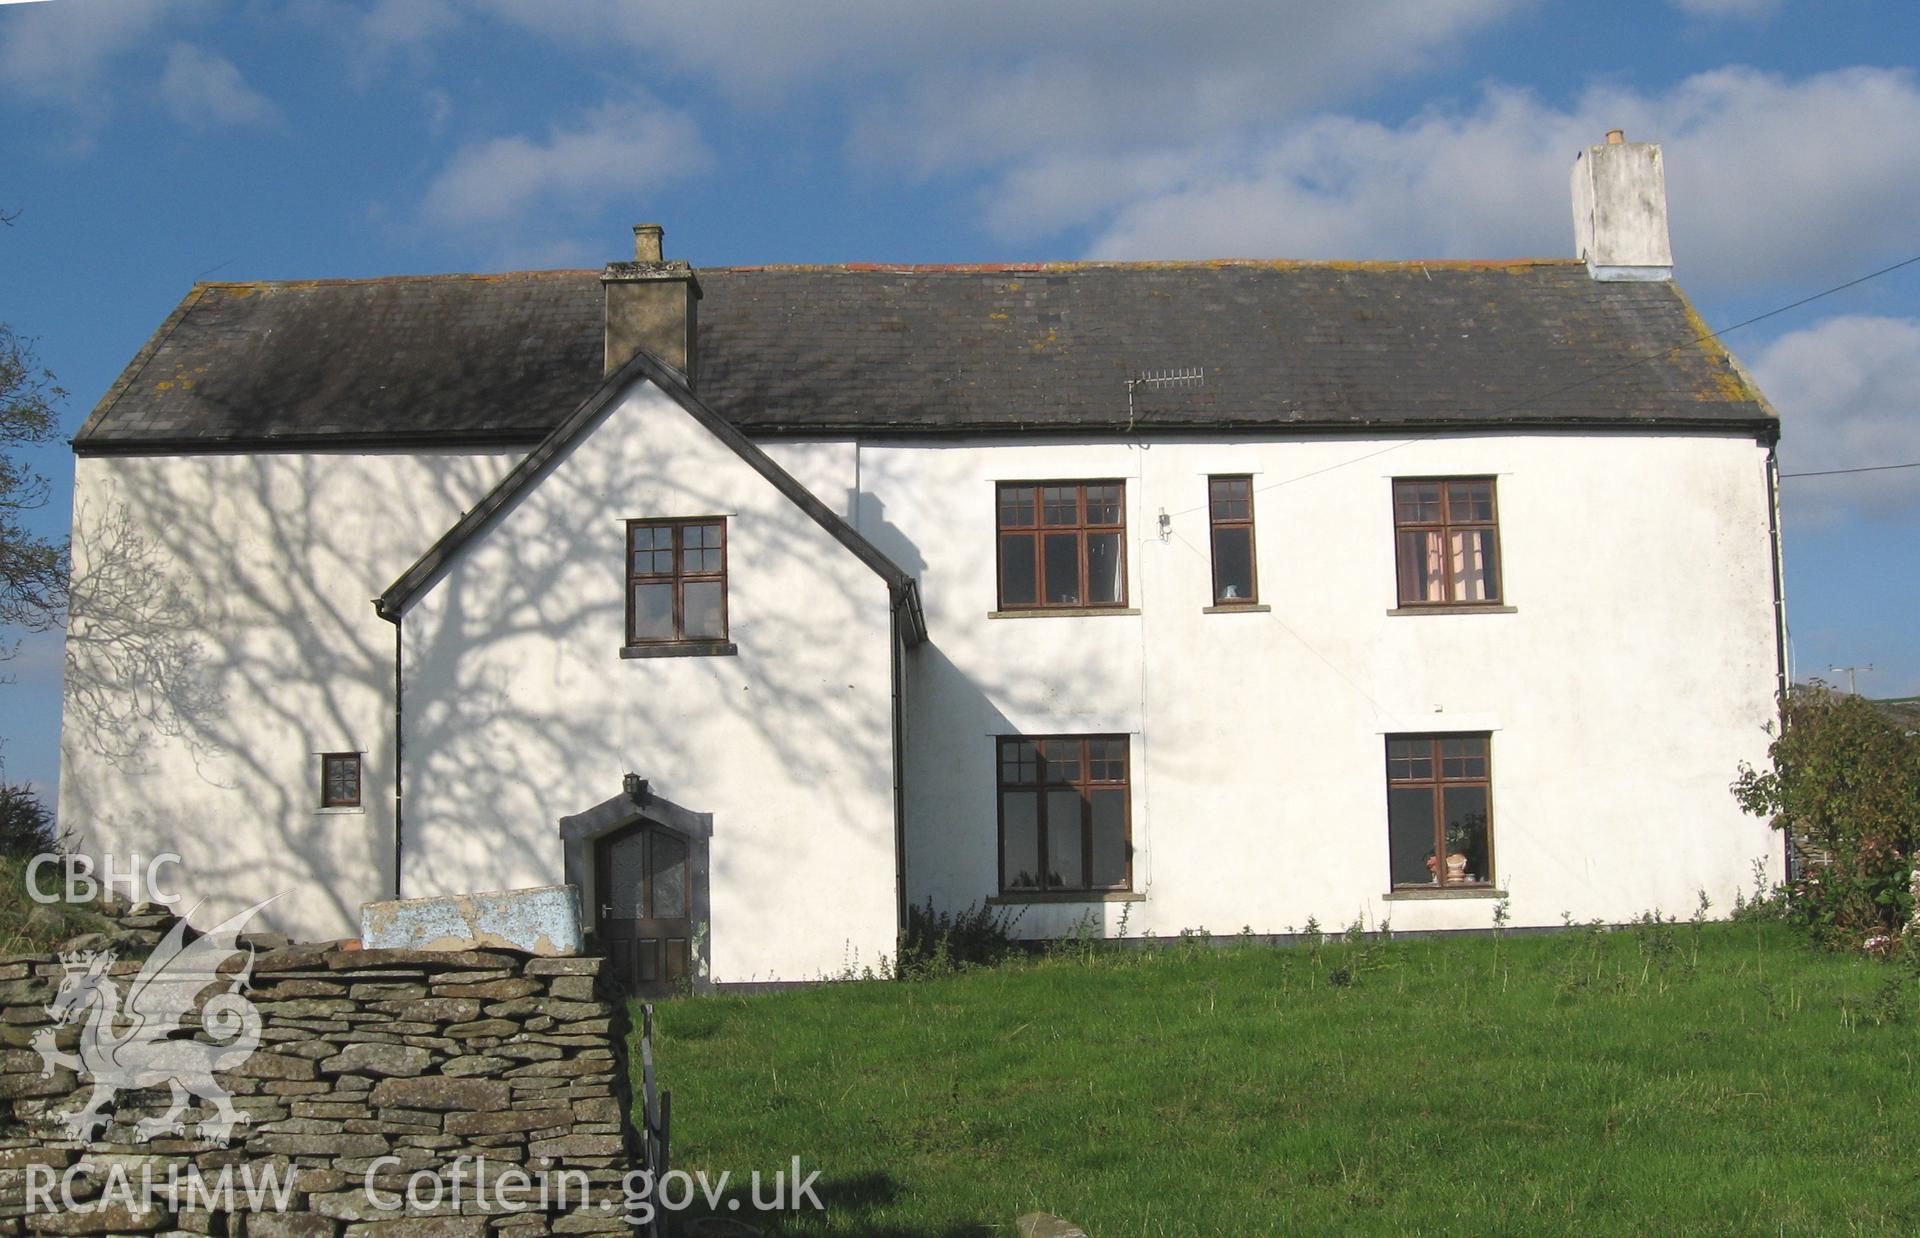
(520, 711)
(221, 636)
(1635, 675)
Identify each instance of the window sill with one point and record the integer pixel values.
(1243, 608)
(685, 649)
(1455, 610)
(341, 810)
(1415, 894)
(1065, 896)
(1064, 612)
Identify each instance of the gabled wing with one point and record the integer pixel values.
(178, 971)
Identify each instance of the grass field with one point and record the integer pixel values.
(1722, 1078)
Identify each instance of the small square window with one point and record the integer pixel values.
(339, 780)
(676, 581)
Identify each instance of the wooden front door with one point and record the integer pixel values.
(645, 920)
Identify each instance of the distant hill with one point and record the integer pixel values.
(1904, 710)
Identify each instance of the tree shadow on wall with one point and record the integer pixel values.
(136, 663)
(220, 638)
(560, 749)
(223, 637)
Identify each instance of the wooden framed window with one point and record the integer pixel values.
(1230, 510)
(1440, 810)
(339, 780)
(1447, 541)
(676, 581)
(1062, 544)
(1065, 813)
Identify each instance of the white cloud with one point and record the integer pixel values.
(438, 105)
(1745, 10)
(1771, 181)
(392, 24)
(55, 53)
(1847, 390)
(1116, 80)
(204, 89)
(1185, 131)
(625, 148)
(956, 85)
(1481, 184)
(374, 39)
(32, 659)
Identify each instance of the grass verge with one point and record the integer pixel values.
(1701, 1078)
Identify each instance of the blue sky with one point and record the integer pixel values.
(151, 143)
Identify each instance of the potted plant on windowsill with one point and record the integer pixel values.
(1459, 841)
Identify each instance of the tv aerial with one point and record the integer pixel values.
(1162, 380)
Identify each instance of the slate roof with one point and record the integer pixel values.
(937, 350)
(427, 359)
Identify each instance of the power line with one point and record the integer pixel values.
(1594, 378)
(1816, 296)
(1866, 468)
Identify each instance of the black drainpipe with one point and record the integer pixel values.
(399, 740)
(897, 645)
(1779, 616)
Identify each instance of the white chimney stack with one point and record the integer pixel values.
(1620, 210)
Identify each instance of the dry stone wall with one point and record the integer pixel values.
(372, 1066)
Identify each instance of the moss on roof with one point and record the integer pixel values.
(871, 348)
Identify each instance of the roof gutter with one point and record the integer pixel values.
(178, 445)
(907, 612)
(1764, 428)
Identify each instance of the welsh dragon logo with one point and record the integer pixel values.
(145, 1042)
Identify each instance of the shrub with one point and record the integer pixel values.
(1769, 901)
(27, 924)
(26, 825)
(1845, 787)
(940, 943)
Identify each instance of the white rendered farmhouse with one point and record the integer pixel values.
(766, 603)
